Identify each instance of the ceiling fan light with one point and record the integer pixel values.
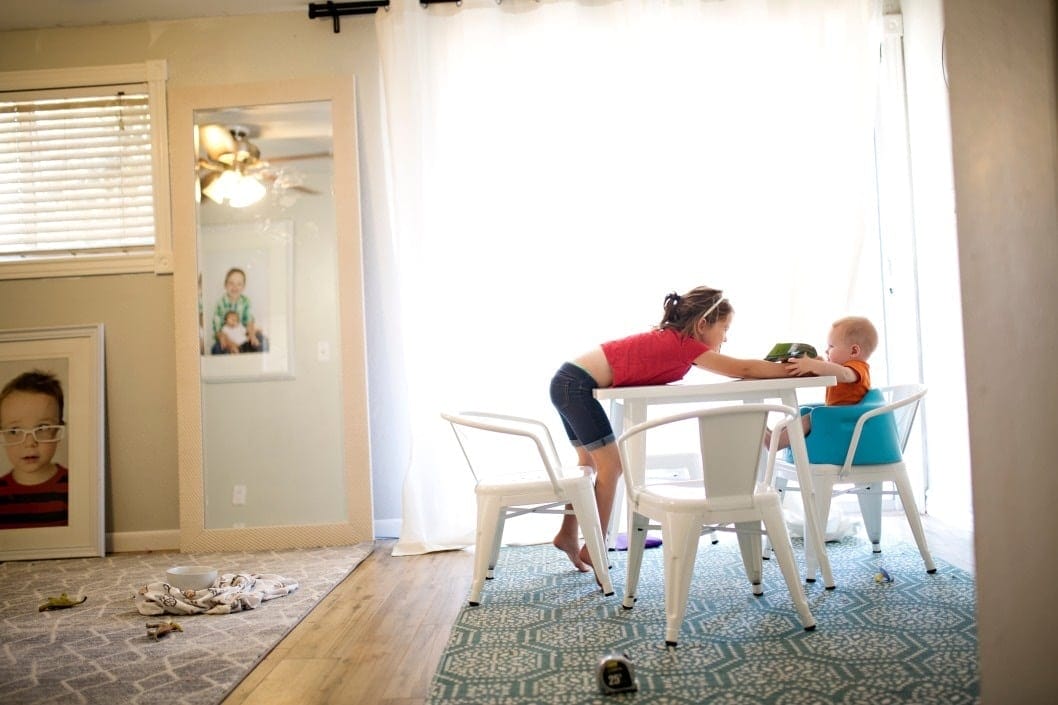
(218, 187)
(245, 192)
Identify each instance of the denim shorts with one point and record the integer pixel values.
(582, 415)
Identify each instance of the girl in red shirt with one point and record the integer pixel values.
(692, 330)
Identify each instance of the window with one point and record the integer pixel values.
(84, 185)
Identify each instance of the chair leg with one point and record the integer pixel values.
(497, 540)
(582, 497)
(749, 544)
(637, 536)
(824, 491)
(681, 533)
(907, 499)
(486, 545)
(870, 499)
(775, 525)
(779, 483)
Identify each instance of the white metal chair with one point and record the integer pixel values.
(850, 453)
(517, 471)
(730, 492)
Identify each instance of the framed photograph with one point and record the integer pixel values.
(246, 301)
(52, 438)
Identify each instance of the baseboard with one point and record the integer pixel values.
(387, 528)
(132, 541)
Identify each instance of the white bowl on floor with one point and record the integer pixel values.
(191, 577)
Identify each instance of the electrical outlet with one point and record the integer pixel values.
(238, 495)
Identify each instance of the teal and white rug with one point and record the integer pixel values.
(542, 629)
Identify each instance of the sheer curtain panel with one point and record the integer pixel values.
(556, 167)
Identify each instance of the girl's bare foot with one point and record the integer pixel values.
(585, 557)
(575, 556)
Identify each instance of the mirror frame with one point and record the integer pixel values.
(358, 525)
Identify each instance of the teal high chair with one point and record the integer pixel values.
(856, 449)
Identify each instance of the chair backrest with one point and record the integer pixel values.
(499, 446)
(904, 400)
(729, 443)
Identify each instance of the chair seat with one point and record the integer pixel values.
(686, 496)
(531, 482)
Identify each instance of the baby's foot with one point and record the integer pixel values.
(575, 557)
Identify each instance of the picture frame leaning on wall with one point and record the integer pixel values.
(36, 520)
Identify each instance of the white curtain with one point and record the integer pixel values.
(555, 168)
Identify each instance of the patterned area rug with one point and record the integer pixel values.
(100, 651)
(542, 629)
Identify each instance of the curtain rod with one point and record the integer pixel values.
(341, 9)
(335, 10)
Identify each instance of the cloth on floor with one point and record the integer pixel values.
(232, 592)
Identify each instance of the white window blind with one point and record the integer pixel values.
(75, 172)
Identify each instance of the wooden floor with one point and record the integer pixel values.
(377, 638)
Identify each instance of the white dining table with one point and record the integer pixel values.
(629, 406)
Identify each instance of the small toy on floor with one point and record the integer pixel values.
(882, 576)
(61, 602)
(621, 542)
(160, 629)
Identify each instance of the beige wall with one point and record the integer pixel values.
(1002, 60)
(137, 310)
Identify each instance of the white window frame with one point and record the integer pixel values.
(160, 261)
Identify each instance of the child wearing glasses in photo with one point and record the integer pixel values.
(35, 492)
(692, 330)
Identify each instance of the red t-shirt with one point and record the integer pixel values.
(654, 357)
(30, 506)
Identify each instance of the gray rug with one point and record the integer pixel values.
(100, 651)
(542, 628)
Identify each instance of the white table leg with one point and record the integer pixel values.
(815, 547)
(633, 412)
(617, 415)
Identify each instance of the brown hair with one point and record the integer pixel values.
(857, 330)
(37, 382)
(682, 313)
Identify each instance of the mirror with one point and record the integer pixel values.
(271, 376)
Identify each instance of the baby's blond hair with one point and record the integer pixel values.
(857, 330)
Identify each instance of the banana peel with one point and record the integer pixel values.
(160, 629)
(61, 602)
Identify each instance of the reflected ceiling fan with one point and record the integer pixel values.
(230, 168)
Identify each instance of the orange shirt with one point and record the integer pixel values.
(844, 393)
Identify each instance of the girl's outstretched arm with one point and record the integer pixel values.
(735, 367)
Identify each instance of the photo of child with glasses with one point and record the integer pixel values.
(35, 492)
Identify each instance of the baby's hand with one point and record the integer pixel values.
(799, 366)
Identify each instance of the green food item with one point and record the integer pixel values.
(784, 351)
(61, 602)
